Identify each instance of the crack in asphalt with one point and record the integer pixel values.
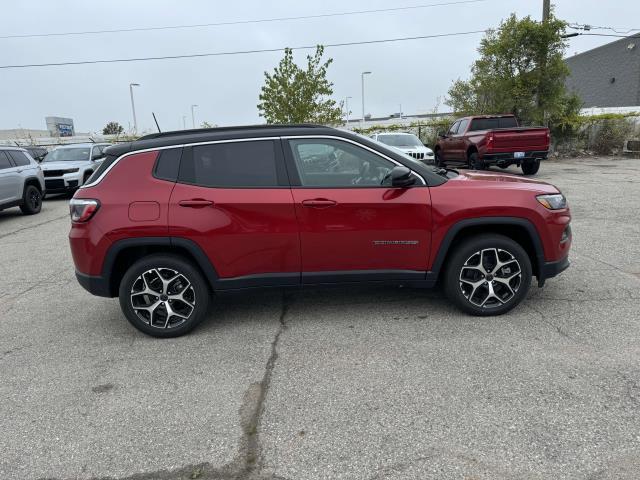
(248, 463)
(548, 321)
(36, 225)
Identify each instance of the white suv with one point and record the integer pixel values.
(21, 181)
(407, 143)
(68, 167)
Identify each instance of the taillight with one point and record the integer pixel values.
(490, 141)
(82, 209)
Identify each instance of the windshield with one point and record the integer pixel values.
(68, 155)
(400, 140)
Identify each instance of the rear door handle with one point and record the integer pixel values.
(195, 203)
(319, 203)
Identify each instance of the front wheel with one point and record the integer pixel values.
(438, 160)
(31, 201)
(531, 167)
(488, 275)
(164, 295)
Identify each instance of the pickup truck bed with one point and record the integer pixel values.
(480, 148)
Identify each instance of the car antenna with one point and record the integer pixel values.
(156, 120)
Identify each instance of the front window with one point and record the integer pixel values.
(400, 140)
(328, 163)
(68, 155)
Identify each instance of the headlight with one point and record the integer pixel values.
(70, 170)
(552, 202)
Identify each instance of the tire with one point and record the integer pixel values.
(189, 303)
(476, 163)
(86, 177)
(438, 160)
(31, 200)
(472, 273)
(531, 167)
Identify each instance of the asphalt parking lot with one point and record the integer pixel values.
(359, 383)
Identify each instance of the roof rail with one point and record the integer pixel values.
(192, 131)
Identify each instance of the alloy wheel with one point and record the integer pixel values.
(490, 278)
(163, 298)
(34, 199)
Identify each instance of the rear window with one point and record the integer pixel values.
(231, 165)
(493, 123)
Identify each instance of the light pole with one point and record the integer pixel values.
(346, 104)
(184, 122)
(362, 77)
(193, 118)
(133, 106)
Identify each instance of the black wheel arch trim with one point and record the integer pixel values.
(117, 247)
(32, 180)
(534, 236)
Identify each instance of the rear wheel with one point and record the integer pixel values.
(31, 200)
(531, 167)
(475, 162)
(164, 295)
(488, 275)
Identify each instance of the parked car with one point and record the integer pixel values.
(172, 217)
(68, 167)
(21, 181)
(37, 153)
(408, 143)
(486, 140)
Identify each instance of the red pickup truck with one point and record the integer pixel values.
(486, 140)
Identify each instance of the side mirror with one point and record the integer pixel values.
(442, 134)
(401, 177)
(97, 156)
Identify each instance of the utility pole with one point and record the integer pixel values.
(546, 13)
(184, 122)
(546, 10)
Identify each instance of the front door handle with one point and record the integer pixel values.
(319, 203)
(195, 203)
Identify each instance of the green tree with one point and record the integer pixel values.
(521, 71)
(293, 95)
(112, 128)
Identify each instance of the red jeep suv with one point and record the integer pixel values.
(170, 219)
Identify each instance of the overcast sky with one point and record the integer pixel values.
(414, 73)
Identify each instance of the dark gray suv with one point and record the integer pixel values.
(21, 181)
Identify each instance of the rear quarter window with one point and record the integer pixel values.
(168, 164)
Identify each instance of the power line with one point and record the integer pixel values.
(238, 52)
(586, 27)
(242, 22)
(602, 35)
